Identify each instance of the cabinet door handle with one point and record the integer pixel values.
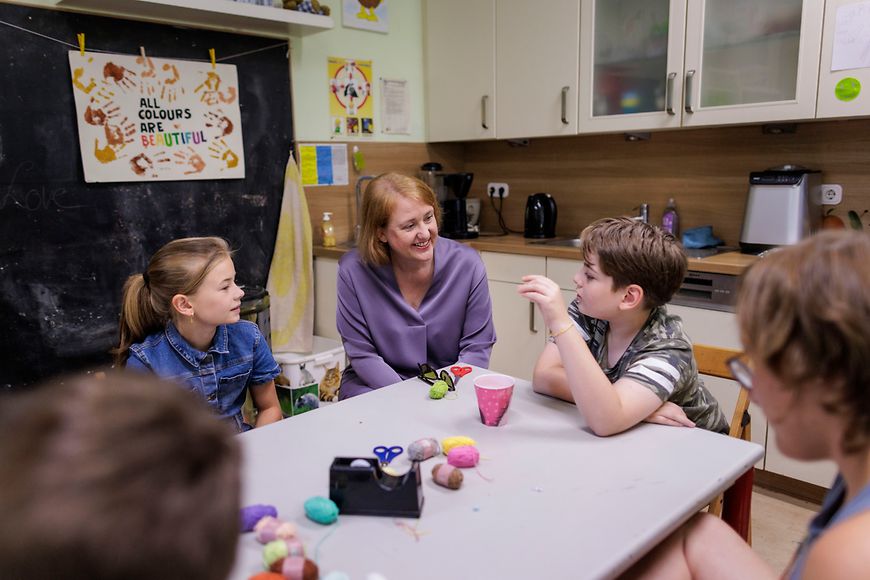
(690, 77)
(483, 101)
(532, 328)
(669, 94)
(564, 107)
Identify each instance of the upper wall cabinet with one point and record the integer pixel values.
(653, 64)
(537, 49)
(844, 71)
(631, 64)
(460, 75)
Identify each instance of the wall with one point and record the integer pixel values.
(380, 157)
(705, 170)
(396, 55)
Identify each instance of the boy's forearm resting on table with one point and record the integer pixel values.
(608, 408)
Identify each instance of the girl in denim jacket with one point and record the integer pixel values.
(180, 320)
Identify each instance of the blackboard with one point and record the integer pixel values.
(66, 247)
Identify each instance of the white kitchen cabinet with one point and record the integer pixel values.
(519, 327)
(719, 329)
(537, 51)
(460, 69)
(631, 64)
(844, 92)
(654, 64)
(325, 297)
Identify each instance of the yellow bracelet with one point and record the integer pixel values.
(563, 331)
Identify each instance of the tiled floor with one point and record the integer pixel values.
(779, 523)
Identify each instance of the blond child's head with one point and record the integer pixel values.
(803, 314)
(634, 252)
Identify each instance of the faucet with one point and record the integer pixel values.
(642, 213)
(358, 194)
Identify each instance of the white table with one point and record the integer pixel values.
(562, 502)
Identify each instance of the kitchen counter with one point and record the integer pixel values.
(728, 263)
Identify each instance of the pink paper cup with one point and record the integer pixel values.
(493, 398)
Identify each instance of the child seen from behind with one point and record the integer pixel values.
(180, 320)
(615, 351)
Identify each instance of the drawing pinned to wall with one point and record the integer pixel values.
(156, 119)
(366, 14)
(350, 97)
(323, 164)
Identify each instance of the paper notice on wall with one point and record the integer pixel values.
(852, 37)
(395, 107)
(156, 119)
(323, 164)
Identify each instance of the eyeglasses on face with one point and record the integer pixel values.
(740, 371)
(430, 375)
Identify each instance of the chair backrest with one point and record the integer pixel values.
(713, 361)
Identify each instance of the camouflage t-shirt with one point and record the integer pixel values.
(660, 358)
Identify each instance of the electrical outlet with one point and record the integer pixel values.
(497, 190)
(832, 194)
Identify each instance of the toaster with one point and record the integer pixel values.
(783, 206)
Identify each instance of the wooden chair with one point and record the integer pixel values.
(734, 505)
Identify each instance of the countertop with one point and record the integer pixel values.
(728, 263)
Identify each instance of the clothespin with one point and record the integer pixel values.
(81, 37)
(211, 56)
(142, 52)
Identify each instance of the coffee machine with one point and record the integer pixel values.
(783, 206)
(451, 190)
(454, 213)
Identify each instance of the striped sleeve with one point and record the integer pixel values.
(659, 374)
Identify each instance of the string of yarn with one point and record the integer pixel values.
(447, 476)
(269, 529)
(410, 529)
(450, 442)
(438, 390)
(320, 543)
(463, 456)
(321, 510)
(423, 449)
(274, 552)
(250, 515)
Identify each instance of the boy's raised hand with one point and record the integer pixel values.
(547, 295)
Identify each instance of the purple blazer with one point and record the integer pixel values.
(385, 338)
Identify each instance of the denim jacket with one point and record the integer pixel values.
(238, 358)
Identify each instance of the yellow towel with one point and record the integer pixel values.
(291, 275)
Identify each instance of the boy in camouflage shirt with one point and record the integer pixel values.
(616, 352)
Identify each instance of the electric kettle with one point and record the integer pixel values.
(540, 216)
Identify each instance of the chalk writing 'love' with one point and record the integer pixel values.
(33, 199)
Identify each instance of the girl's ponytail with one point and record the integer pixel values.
(138, 317)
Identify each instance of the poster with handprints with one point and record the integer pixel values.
(156, 119)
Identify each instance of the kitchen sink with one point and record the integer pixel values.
(563, 242)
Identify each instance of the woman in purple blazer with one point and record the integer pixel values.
(406, 296)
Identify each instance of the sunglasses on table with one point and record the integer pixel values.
(430, 375)
(741, 371)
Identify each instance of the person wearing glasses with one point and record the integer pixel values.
(804, 317)
(407, 296)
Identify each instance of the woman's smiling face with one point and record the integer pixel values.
(411, 231)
